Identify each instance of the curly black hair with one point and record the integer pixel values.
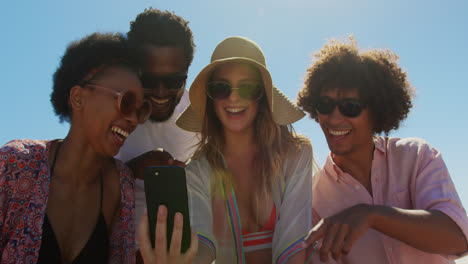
(382, 84)
(161, 28)
(80, 58)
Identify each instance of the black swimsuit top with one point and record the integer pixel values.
(96, 249)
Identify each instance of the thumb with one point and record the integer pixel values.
(316, 233)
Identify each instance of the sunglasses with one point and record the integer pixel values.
(222, 90)
(349, 107)
(127, 103)
(170, 82)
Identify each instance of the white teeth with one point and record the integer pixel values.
(159, 101)
(338, 132)
(120, 131)
(235, 110)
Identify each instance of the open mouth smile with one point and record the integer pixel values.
(339, 132)
(119, 134)
(159, 101)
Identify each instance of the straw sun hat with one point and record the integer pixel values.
(243, 50)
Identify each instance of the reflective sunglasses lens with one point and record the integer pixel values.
(127, 103)
(250, 91)
(218, 90)
(170, 82)
(325, 105)
(149, 81)
(350, 108)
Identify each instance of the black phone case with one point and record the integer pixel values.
(166, 185)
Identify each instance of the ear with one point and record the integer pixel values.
(76, 98)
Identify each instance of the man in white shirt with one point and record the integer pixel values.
(164, 43)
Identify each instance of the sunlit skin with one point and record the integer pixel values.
(351, 143)
(346, 135)
(349, 138)
(86, 154)
(164, 61)
(161, 61)
(103, 108)
(236, 114)
(159, 254)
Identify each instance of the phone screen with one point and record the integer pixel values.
(166, 185)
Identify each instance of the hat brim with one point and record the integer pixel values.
(284, 111)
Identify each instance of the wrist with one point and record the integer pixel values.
(371, 215)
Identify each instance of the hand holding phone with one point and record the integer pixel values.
(160, 254)
(166, 185)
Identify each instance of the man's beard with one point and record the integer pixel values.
(163, 118)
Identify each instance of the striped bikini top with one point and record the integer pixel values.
(261, 239)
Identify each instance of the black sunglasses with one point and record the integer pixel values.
(170, 82)
(218, 90)
(348, 107)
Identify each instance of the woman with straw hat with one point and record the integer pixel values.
(249, 182)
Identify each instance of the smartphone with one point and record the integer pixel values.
(166, 185)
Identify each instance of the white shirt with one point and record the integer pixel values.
(152, 135)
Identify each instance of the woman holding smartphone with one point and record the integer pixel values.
(249, 182)
(68, 200)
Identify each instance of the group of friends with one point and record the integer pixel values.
(255, 192)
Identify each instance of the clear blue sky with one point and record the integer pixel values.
(429, 36)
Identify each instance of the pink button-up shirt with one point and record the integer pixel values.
(406, 173)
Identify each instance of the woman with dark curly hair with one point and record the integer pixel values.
(70, 201)
(377, 199)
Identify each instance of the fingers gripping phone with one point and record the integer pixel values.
(165, 185)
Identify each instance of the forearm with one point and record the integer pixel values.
(428, 230)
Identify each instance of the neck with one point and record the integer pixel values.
(239, 143)
(358, 163)
(77, 162)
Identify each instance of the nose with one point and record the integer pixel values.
(160, 91)
(132, 118)
(335, 115)
(234, 96)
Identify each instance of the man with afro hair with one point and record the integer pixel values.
(163, 44)
(378, 199)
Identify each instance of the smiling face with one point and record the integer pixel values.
(164, 62)
(104, 127)
(345, 135)
(235, 113)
